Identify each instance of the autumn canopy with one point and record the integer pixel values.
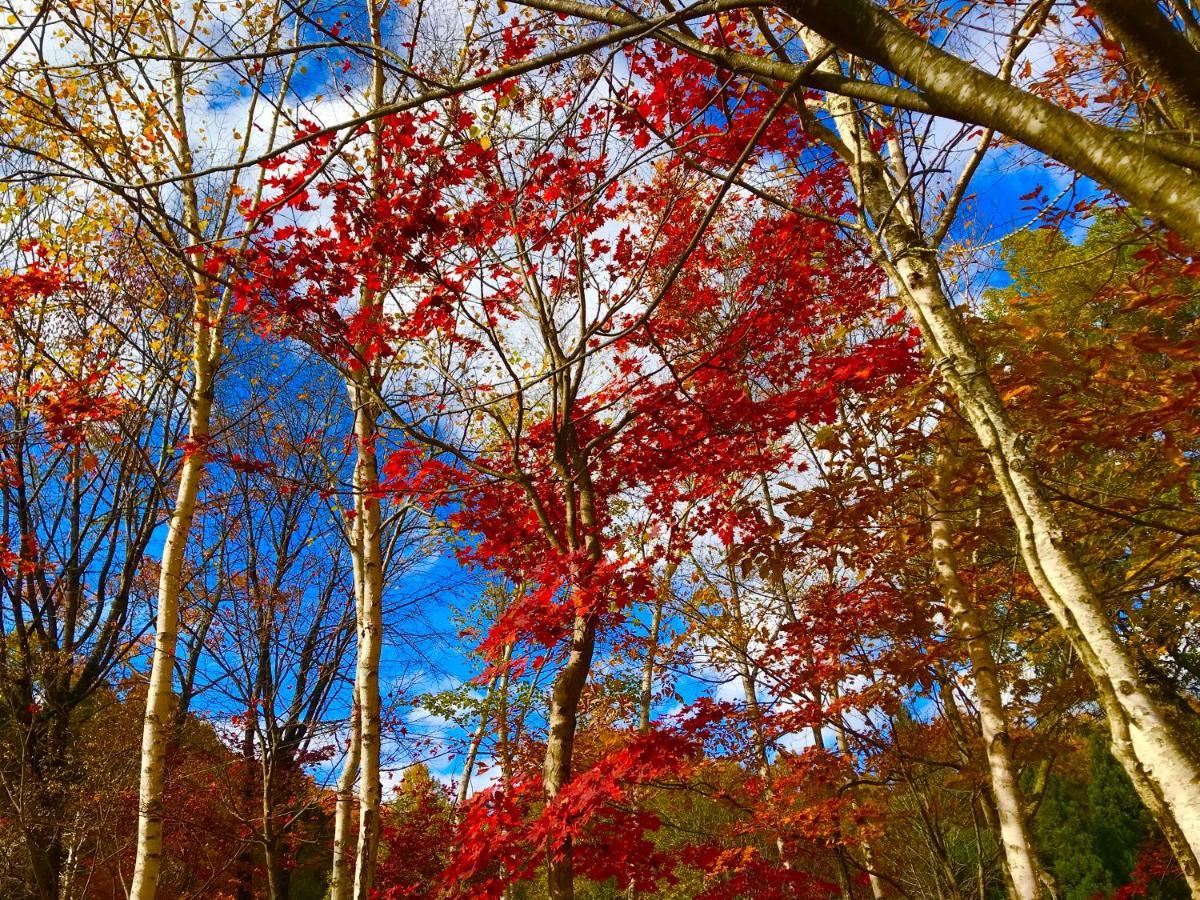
(573, 448)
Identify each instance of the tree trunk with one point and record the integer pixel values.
(485, 712)
(340, 880)
(572, 465)
(1020, 860)
(503, 749)
(1133, 715)
(156, 726)
(275, 768)
(277, 872)
(960, 90)
(245, 858)
(51, 782)
(1152, 752)
(843, 745)
(206, 351)
(645, 700)
(560, 744)
(370, 640)
(363, 388)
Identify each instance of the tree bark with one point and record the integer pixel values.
(207, 314)
(958, 89)
(341, 881)
(363, 388)
(50, 773)
(245, 858)
(485, 715)
(1020, 861)
(581, 533)
(560, 744)
(370, 640)
(1149, 747)
(646, 697)
(843, 745)
(156, 726)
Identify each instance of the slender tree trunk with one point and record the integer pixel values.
(277, 873)
(275, 769)
(1021, 865)
(245, 859)
(754, 713)
(156, 728)
(646, 697)
(943, 869)
(341, 881)
(980, 869)
(51, 783)
(1144, 740)
(503, 748)
(370, 641)
(369, 524)
(845, 881)
(72, 842)
(207, 315)
(568, 687)
(843, 745)
(560, 745)
(877, 891)
(485, 715)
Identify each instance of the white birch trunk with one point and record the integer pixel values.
(206, 349)
(341, 879)
(1020, 861)
(370, 642)
(156, 726)
(1143, 739)
(363, 386)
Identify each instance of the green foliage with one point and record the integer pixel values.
(1091, 826)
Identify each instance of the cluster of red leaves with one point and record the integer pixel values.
(23, 561)
(759, 355)
(295, 281)
(1155, 867)
(67, 399)
(503, 838)
(683, 97)
(710, 358)
(745, 871)
(39, 280)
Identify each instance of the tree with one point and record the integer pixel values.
(125, 122)
(566, 449)
(726, 497)
(85, 457)
(891, 222)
